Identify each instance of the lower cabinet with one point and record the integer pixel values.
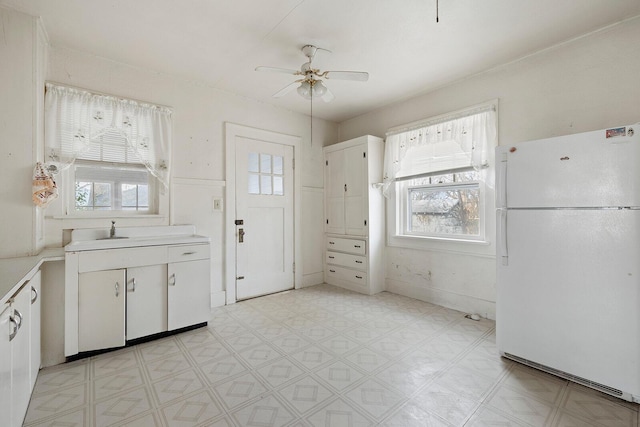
(146, 301)
(101, 309)
(34, 330)
(15, 356)
(187, 285)
(123, 304)
(5, 361)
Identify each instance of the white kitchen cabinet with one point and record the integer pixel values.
(354, 209)
(162, 287)
(334, 191)
(146, 301)
(34, 329)
(101, 309)
(20, 346)
(189, 277)
(5, 362)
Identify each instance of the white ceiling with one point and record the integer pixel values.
(398, 42)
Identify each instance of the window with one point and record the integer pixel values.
(115, 153)
(443, 205)
(266, 174)
(100, 186)
(438, 174)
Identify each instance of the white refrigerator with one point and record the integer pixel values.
(568, 257)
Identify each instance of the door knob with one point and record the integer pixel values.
(241, 234)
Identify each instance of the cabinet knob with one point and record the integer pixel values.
(117, 289)
(35, 295)
(172, 279)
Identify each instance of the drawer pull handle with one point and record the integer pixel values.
(358, 262)
(333, 271)
(133, 284)
(117, 289)
(358, 277)
(188, 253)
(172, 280)
(332, 243)
(356, 246)
(35, 296)
(331, 257)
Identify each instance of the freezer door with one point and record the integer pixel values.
(581, 170)
(569, 295)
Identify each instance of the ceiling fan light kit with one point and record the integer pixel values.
(311, 86)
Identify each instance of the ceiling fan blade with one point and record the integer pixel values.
(285, 90)
(328, 96)
(278, 70)
(358, 76)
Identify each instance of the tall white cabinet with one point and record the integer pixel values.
(354, 215)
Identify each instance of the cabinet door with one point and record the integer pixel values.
(334, 191)
(101, 309)
(356, 187)
(5, 362)
(189, 293)
(146, 301)
(34, 331)
(20, 366)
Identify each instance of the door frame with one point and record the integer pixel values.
(232, 132)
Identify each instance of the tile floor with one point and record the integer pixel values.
(320, 356)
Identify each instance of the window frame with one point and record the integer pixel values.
(69, 178)
(396, 210)
(404, 187)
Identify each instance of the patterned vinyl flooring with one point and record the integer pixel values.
(319, 356)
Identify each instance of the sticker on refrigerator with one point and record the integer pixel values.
(616, 132)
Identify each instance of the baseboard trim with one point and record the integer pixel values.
(464, 303)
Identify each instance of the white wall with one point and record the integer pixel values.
(198, 173)
(22, 53)
(585, 84)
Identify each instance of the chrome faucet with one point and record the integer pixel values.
(112, 233)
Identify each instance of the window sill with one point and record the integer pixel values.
(107, 215)
(484, 248)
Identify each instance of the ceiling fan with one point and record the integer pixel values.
(311, 84)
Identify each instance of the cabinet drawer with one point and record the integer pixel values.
(188, 252)
(352, 246)
(346, 274)
(111, 259)
(346, 260)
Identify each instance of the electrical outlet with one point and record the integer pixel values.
(217, 204)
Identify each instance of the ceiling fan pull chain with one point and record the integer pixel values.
(311, 118)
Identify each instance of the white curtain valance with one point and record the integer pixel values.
(463, 141)
(75, 119)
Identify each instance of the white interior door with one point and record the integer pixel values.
(264, 216)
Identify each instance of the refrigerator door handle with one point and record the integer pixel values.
(504, 248)
(501, 182)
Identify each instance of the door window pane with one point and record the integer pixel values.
(254, 183)
(265, 163)
(278, 186)
(253, 164)
(266, 174)
(265, 184)
(277, 165)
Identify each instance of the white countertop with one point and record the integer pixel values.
(13, 271)
(131, 237)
